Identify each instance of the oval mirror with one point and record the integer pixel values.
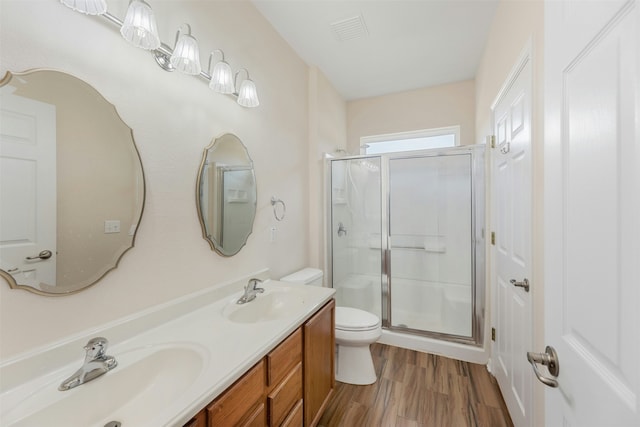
(226, 195)
(71, 183)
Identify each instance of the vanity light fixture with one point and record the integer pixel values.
(140, 29)
(139, 26)
(221, 76)
(186, 54)
(247, 95)
(89, 7)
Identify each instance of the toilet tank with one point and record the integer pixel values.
(306, 276)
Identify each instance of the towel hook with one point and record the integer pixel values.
(275, 202)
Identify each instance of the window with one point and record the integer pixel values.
(411, 141)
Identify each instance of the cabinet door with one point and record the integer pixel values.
(240, 399)
(319, 370)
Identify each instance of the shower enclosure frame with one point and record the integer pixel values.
(478, 240)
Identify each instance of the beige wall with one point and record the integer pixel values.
(173, 117)
(431, 107)
(516, 25)
(327, 133)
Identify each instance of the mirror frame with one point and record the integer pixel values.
(7, 276)
(203, 227)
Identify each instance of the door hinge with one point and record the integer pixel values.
(493, 238)
(491, 141)
(493, 334)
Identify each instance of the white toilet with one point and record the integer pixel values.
(356, 330)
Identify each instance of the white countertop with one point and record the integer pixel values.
(227, 349)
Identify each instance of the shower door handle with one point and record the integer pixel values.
(524, 284)
(386, 262)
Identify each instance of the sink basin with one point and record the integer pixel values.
(145, 381)
(273, 304)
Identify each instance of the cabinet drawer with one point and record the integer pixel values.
(281, 360)
(258, 418)
(235, 403)
(294, 419)
(200, 420)
(284, 396)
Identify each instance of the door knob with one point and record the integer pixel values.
(46, 254)
(505, 147)
(549, 359)
(524, 284)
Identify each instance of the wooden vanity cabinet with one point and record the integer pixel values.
(284, 378)
(240, 404)
(200, 420)
(295, 417)
(319, 362)
(289, 387)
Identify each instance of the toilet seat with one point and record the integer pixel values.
(354, 319)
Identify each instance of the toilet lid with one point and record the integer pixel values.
(349, 318)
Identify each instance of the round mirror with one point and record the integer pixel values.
(71, 183)
(226, 195)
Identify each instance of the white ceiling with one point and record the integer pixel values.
(409, 44)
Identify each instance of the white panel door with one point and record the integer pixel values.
(512, 250)
(27, 188)
(592, 211)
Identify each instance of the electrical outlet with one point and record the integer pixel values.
(111, 226)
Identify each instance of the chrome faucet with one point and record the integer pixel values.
(96, 363)
(250, 291)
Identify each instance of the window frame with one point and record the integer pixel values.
(366, 141)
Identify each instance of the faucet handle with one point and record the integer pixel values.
(253, 285)
(96, 347)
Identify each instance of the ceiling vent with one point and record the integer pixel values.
(350, 28)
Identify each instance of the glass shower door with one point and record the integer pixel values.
(430, 244)
(356, 232)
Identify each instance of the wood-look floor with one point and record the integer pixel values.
(416, 389)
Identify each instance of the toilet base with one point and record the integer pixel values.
(355, 365)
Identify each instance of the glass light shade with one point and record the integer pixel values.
(90, 7)
(139, 26)
(186, 55)
(248, 95)
(222, 78)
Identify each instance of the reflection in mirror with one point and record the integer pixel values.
(71, 183)
(226, 195)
